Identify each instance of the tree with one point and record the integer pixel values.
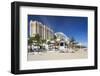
(72, 42)
(37, 39)
(30, 40)
(48, 42)
(43, 41)
(55, 37)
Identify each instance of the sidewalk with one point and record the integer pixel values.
(55, 55)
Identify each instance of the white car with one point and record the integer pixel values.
(35, 48)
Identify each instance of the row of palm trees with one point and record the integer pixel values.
(37, 39)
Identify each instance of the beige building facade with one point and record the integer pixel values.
(44, 31)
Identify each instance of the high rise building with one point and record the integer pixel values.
(44, 31)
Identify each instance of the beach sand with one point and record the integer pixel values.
(55, 55)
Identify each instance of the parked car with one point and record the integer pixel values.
(35, 48)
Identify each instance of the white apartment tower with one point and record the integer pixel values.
(44, 31)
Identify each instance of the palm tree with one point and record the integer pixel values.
(55, 37)
(48, 42)
(43, 41)
(72, 43)
(30, 40)
(55, 40)
(37, 39)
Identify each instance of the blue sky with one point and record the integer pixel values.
(72, 26)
